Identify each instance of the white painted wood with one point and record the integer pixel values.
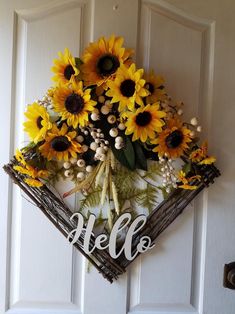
(192, 44)
(41, 265)
(184, 42)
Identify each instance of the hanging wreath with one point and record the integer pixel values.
(113, 130)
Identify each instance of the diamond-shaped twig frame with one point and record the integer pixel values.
(164, 214)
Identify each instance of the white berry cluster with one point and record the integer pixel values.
(168, 174)
(78, 167)
(106, 109)
(99, 145)
(172, 109)
(194, 124)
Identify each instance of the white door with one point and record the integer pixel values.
(191, 43)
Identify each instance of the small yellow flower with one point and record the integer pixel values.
(64, 68)
(186, 181)
(188, 187)
(33, 182)
(208, 161)
(33, 174)
(19, 157)
(200, 156)
(25, 170)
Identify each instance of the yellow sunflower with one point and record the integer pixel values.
(127, 88)
(64, 68)
(73, 104)
(38, 122)
(102, 59)
(60, 144)
(173, 140)
(155, 85)
(144, 122)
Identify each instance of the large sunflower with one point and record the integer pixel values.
(64, 67)
(144, 122)
(173, 140)
(38, 122)
(127, 88)
(60, 144)
(73, 104)
(155, 85)
(102, 59)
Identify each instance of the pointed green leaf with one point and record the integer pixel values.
(141, 161)
(187, 168)
(129, 154)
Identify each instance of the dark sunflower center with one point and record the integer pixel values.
(149, 87)
(174, 139)
(107, 64)
(60, 143)
(143, 118)
(68, 72)
(74, 103)
(39, 124)
(127, 88)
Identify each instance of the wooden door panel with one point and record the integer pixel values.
(177, 46)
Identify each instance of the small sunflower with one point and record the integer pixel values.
(60, 144)
(144, 122)
(173, 140)
(33, 174)
(155, 85)
(64, 68)
(186, 181)
(33, 182)
(38, 122)
(127, 88)
(101, 60)
(20, 157)
(200, 156)
(73, 104)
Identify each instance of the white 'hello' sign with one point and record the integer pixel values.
(103, 241)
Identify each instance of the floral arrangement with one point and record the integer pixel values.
(113, 130)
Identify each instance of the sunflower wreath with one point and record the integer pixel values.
(113, 130)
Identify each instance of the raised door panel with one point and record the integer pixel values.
(177, 46)
(43, 266)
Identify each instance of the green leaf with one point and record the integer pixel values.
(129, 154)
(148, 198)
(120, 156)
(91, 200)
(141, 161)
(153, 171)
(125, 156)
(187, 168)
